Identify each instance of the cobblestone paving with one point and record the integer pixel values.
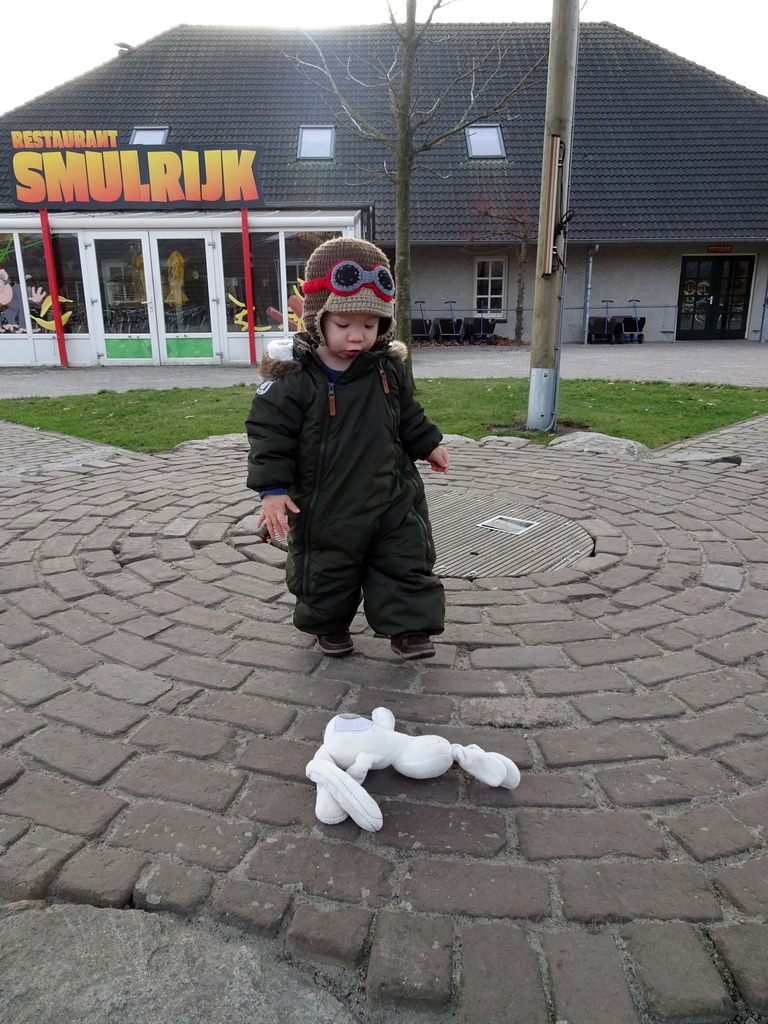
(748, 439)
(158, 709)
(25, 452)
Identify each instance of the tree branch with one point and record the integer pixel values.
(361, 125)
(472, 115)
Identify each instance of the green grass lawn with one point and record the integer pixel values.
(654, 413)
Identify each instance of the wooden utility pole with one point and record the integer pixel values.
(555, 182)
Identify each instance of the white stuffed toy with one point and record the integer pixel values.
(353, 745)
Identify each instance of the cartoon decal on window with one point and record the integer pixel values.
(12, 318)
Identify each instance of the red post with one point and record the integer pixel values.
(53, 286)
(248, 286)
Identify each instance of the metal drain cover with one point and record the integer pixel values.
(508, 524)
(481, 536)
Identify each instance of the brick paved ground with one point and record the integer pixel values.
(158, 711)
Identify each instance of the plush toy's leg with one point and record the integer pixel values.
(339, 795)
(493, 769)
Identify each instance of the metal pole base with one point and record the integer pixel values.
(542, 390)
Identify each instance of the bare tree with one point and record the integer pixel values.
(515, 219)
(412, 122)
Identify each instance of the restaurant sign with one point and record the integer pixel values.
(88, 170)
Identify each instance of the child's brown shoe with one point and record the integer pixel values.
(335, 643)
(412, 645)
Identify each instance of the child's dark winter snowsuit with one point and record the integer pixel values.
(344, 453)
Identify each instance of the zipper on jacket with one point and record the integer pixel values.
(384, 381)
(316, 491)
(331, 398)
(312, 500)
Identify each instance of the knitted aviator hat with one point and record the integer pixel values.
(348, 275)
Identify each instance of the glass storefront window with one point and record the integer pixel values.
(266, 277)
(12, 315)
(265, 271)
(69, 274)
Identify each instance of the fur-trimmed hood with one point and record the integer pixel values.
(286, 355)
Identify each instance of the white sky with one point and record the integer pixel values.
(51, 45)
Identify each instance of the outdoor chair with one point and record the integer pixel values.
(477, 330)
(443, 330)
(600, 330)
(420, 329)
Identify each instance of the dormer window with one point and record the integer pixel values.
(316, 142)
(485, 141)
(150, 135)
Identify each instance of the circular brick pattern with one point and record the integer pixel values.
(158, 710)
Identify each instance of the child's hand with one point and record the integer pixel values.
(273, 508)
(439, 460)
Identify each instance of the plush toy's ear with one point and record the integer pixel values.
(384, 718)
(490, 768)
(346, 795)
(512, 776)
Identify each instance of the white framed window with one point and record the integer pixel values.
(316, 142)
(485, 141)
(490, 285)
(150, 135)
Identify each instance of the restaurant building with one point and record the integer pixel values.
(161, 208)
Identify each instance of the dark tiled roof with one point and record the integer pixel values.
(663, 148)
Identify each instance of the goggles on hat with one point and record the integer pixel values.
(348, 277)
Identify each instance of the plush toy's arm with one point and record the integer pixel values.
(363, 764)
(340, 795)
(493, 769)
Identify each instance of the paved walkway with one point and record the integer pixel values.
(159, 709)
(734, 362)
(722, 362)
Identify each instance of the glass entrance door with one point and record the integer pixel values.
(154, 296)
(713, 303)
(184, 275)
(125, 304)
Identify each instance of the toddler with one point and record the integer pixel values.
(334, 430)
